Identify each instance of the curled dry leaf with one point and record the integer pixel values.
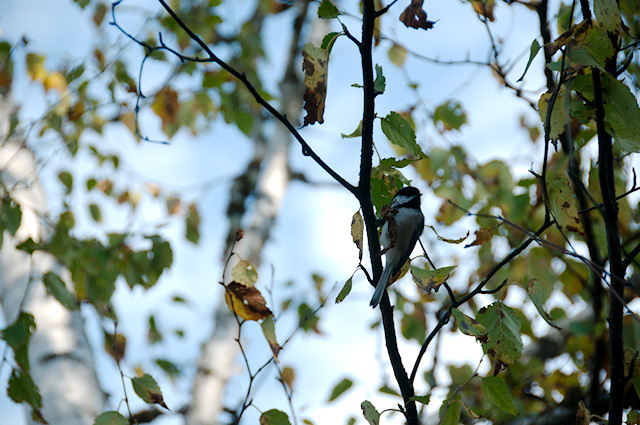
(484, 8)
(415, 17)
(246, 302)
(314, 65)
(239, 234)
(483, 236)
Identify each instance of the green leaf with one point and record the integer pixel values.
(96, 213)
(17, 335)
(328, 41)
(28, 246)
(424, 399)
(450, 411)
(344, 291)
(356, 133)
(622, 114)
(400, 133)
(327, 10)
(91, 183)
(429, 280)
(388, 164)
(67, 180)
(111, 418)
(148, 390)
(340, 388)
(307, 320)
(379, 84)
(469, 326)
(504, 344)
(537, 296)
(11, 215)
(370, 413)
(608, 15)
(397, 55)
(385, 389)
(496, 390)
(58, 289)
(450, 116)
(535, 48)
(413, 326)
(21, 388)
(244, 272)
(384, 184)
(192, 224)
(75, 73)
(153, 334)
(591, 46)
(269, 331)
(274, 417)
(168, 367)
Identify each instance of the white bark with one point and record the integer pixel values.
(61, 359)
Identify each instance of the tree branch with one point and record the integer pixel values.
(306, 149)
(364, 197)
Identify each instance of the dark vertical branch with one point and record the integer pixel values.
(542, 10)
(614, 248)
(364, 196)
(617, 269)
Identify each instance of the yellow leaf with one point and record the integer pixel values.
(357, 231)
(56, 81)
(246, 302)
(35, 66)
(166, 106)
(564, 205)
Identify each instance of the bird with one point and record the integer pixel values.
(403, 225)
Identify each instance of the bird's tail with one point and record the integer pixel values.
(382, 285)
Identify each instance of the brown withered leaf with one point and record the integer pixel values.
(246, 302)
(583, 416)
(484, 8)
(288, 376)
(315, 62)
(483, 235)
(115, 345)
(574, 32)
(415, 17)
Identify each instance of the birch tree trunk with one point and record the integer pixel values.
(61, 359)
(216, 363)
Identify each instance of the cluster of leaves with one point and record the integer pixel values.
(81, 103)
(508, 210)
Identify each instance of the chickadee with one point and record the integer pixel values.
(403, 225)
